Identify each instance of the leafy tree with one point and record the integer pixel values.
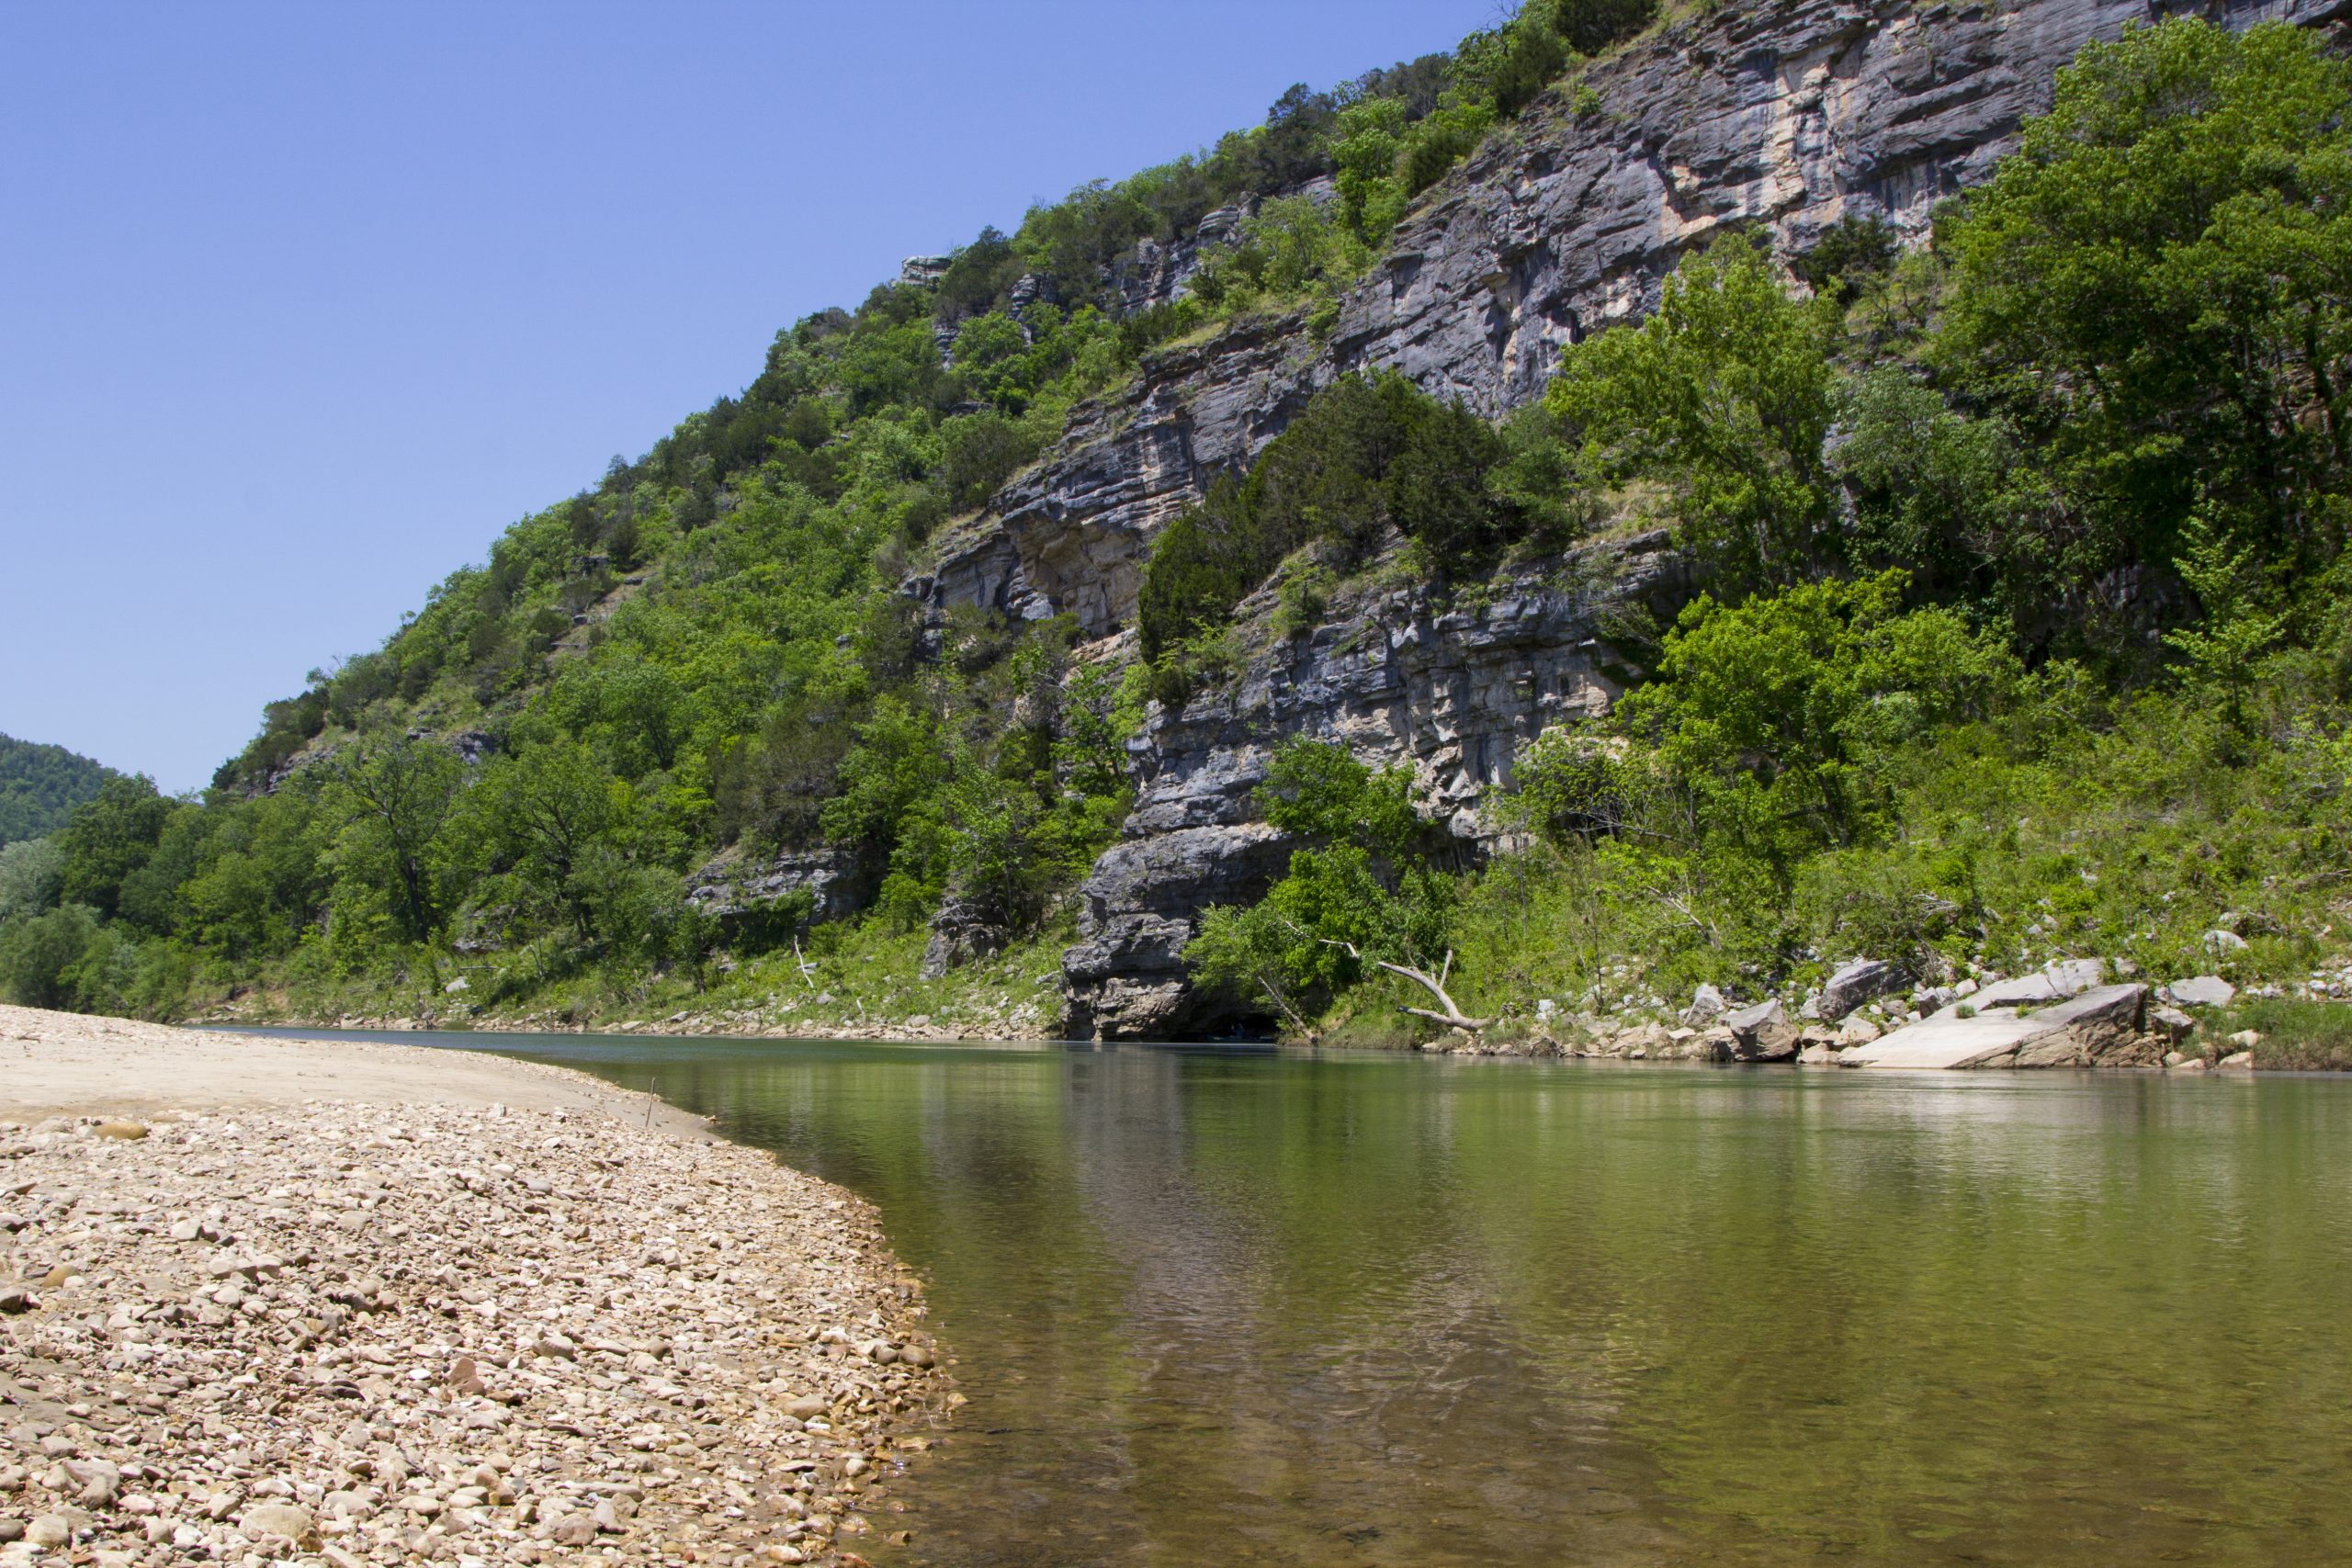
(1363, 897)
(1772, 714)
(1591, 26)
(32, 872)
(1726, 392)
(2154, 288)
(38, 954)
(108, 840)
(2223, 653)
(39, 787)
(393, 796)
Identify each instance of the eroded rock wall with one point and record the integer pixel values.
(1398, 676)
(1785, 117)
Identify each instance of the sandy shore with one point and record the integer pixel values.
(267, 1300)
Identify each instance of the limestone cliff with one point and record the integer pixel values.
(1786, 116)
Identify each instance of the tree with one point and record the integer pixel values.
(1725, 392)
(393, 795)
(2222, 653)
(1360, 896)
(109, 839)
(2158, 289)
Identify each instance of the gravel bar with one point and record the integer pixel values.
(449, 1327)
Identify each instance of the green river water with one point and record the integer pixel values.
(1247, 1307)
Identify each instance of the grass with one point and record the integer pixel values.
(2297, 1034)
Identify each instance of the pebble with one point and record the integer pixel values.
(479, 1337)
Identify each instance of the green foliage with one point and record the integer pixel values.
(1847, 255)
(108, 842)
(1368, 453)
(1591, 26)
(2152, 292)
(1360, 892)
(1726, 393)
(39, 787)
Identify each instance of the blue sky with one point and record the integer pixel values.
(301, 305)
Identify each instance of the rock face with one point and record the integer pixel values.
(735, 884)
(1396, 676)
(1783, 117)
(1853, 983)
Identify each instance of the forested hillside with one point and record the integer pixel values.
(39, 787)
(2005, 622)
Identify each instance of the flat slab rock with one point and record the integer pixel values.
(2071, 1033)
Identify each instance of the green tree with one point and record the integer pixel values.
(2155, 287)
(109, 839)
(391, 796)
(1725, 392)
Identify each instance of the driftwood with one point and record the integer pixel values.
(1453, 1017)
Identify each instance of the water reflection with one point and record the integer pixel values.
(1261, 1308)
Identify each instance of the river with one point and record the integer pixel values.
(1259, 1307)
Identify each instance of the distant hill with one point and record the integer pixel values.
(41, 785)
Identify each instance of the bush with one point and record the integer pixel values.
(1369, 453)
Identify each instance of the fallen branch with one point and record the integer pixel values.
(1451, 1017)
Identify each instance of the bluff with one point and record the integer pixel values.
(1785, 117)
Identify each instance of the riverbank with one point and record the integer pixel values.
(365, 1302)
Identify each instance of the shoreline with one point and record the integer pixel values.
(350, 1301)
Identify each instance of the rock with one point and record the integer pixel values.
(2066, 979)
(284, 1519)
(126, 1130)
(11, 1529)
(1816, 1057)
(16, 1299)
(2237, 1061)
(963, 931)
(96, 1482)
(2202, 991)
(1858, 1032)
(806, 1408)
(1706, 1005)
(1862, 980)
(742, 889)
(1762, 1034)
(2189, 1064)
(2219, 942)
(49, 1530)
(2078, 1032)
(2245, 1039)
(2172, 1023)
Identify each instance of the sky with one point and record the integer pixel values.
(301, 305)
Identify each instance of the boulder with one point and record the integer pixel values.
(1762, 1034)
(1707, 1005)
(2172, 1023)
(1865, 979)
(2067, 977)
(1856, 1031)
(2218, 941)
(2079, 1032)
(2202, 991)
(2235, 1062)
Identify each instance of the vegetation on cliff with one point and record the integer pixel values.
(708, 651)
(2026, 633)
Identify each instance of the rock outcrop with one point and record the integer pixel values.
(735, 886)
(1398, 676)
(1784, 118)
